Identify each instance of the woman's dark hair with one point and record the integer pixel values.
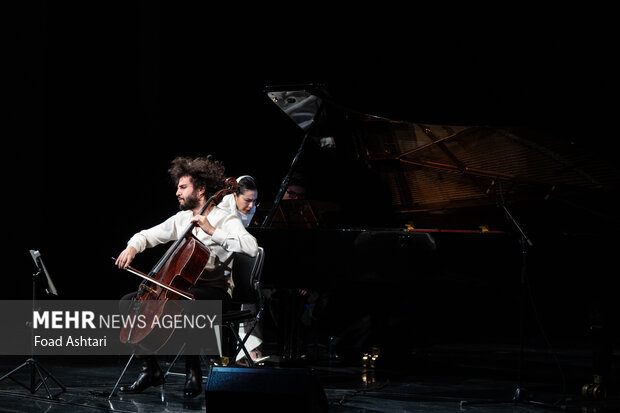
(246, 183)
(204, 172)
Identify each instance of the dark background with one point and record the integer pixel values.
(104, 97)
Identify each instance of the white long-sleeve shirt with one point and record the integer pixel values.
(230, 236)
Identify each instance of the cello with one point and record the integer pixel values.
(168, 281)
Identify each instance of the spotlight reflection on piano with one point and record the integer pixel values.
(300, 105)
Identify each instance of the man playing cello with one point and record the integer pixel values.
(219, 230)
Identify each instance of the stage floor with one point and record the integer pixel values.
(465, 377)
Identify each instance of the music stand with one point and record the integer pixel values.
(36, 369)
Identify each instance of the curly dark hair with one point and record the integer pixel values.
(204, 172)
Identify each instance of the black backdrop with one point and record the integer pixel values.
(106, 96)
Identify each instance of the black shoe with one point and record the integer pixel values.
(193, 376)
(151, 375)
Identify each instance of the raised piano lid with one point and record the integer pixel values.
(383, 172)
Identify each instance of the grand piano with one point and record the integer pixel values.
(422, 230)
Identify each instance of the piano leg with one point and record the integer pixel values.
(287, 306)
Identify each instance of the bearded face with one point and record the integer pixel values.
(188, 196)
(190, 201)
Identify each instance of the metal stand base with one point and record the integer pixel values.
(36, 369)
(38, 377)
(517, 399)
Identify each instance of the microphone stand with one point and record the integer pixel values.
(519, 394)
(36, 369)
